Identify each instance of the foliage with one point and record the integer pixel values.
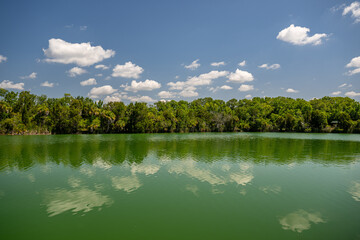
(25, 113)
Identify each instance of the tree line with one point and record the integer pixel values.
(26, 113)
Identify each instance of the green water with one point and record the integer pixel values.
(180, 186)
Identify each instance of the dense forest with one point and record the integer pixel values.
(26, 113)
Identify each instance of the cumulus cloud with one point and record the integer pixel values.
(176, 85)
(299, 36)
(189, 92)
(96, 92)
(240, 76)
(11, 85)
(166, 94)
(205, 78)
(336, 93)
(217, 64)
(75, 71)
(224, 87)
(128, 70)
(354, 9)
(82, 54)
(47, 84)
(354, 63)
(194, 65)
(242, 64)
(147, 85)
(245, 88)
(290, 90)
(248, 96)
(272, 67)
(102, 66)
(89, 82)
(352, 94)
(30, 76)
(140, 99)
(3, 58)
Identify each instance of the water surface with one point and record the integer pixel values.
(180, 186)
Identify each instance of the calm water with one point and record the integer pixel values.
(180, 186)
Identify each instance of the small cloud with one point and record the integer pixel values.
(141, 99)
(352, 94)
(345, 85)
(128, 70)
(354, 9)
(272, 67)
(102, 66)
(82, 54)
(248, 96)
(89, 82)
(11, 85)
(3, 58)
(147, 85)
(240, 76)
(226, 87)
(290, 90)
(354, 63)
(300, 220)
(166, 94)
(179, 85)
(47, 84)
(75, 71)
(177, 77)
(189, 92)
(245, 88)
(99, 75)
(205, 78)
(217, 64)
(336, 93)
(297, 35)
(194, 65)
(242, 64)
(30, 76)
(96, 92)
(69, 26)
(83, 28)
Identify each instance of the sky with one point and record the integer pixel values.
(182, 50)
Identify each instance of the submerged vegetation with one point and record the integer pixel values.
(26, 113)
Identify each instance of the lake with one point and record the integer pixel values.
(180, 186)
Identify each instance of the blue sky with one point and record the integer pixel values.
(153, 50)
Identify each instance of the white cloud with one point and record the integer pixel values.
(205, 78)
(240, 76)
(245, 88)
(83, 28)
(352, 94)
(248, 96)
(11, 85)
(47, 84)
(345, 85)
(99, 75)
(226, 87)
(147, 85)
(141, 99)
(189, 92)
(166, 94)
(82, 54)
(354, 9)
(194, 65)
(242, 64)
(272, 67)
(354, 63)
(290, 90)
(96, 92)
(116, 97)
(336, 93)
(217, 64)
(3, 58)
(89, 82)
(76, 71)
(127, 184)
(299, 36)
(176, 85)
(30, 76)
(128, 70)
(102, 66)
